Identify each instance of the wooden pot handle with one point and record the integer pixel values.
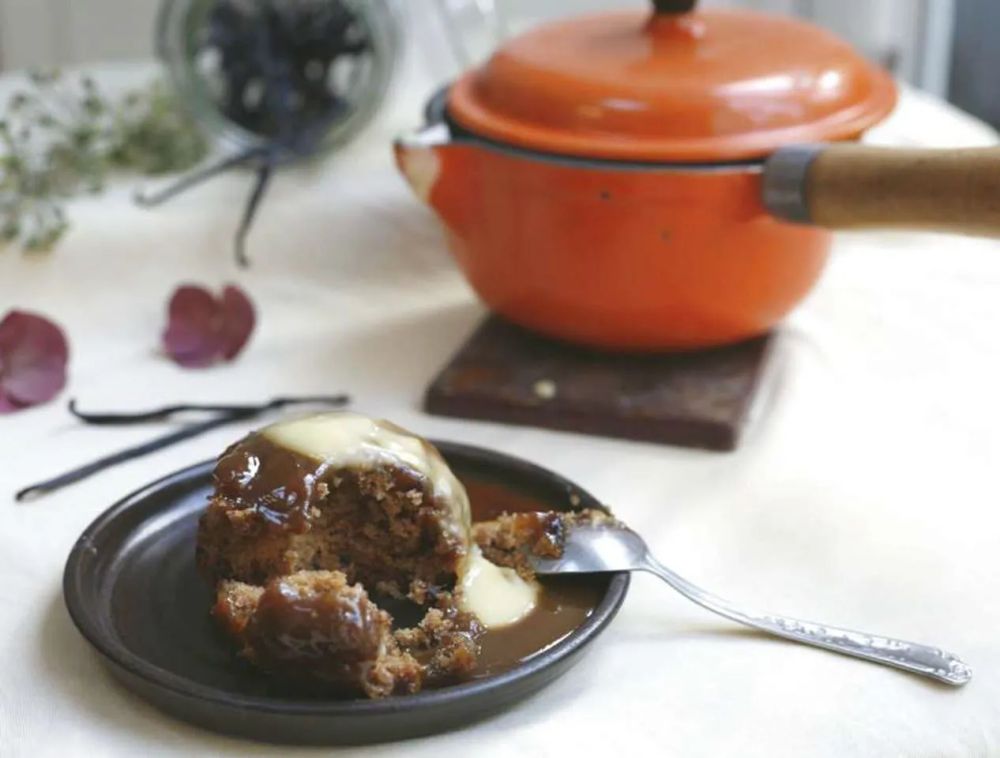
(849, 186)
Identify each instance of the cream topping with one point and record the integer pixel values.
(497, 596)
(341, 438)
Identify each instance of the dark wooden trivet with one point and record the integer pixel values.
(697, 399)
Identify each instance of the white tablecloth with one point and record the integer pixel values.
(866, 496)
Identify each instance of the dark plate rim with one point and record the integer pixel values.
(108, 645)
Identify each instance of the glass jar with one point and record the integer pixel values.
(185, 30)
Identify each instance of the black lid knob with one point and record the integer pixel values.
(674, 6)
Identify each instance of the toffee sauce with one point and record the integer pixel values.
(564, 603)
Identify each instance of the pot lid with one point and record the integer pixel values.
(672, 85)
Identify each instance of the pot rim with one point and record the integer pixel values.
(440, 130)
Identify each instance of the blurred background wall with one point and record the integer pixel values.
(944, 46)
(975, 72)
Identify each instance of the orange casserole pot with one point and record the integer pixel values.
(600, 178)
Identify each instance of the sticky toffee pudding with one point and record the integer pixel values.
(318, 526)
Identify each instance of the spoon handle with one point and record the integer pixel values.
(910, 656)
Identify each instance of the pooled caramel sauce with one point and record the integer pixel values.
(564, 603)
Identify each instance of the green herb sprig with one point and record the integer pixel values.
(59, 140)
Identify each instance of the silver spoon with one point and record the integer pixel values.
(591, 548)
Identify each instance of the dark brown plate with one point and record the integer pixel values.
(132, 589)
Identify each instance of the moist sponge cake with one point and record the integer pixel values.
(315, 627)
(336, 491)
(308, 517)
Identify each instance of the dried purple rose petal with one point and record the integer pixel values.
(33, 357)
(191, 337)
(202, 329)
(238, 321)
